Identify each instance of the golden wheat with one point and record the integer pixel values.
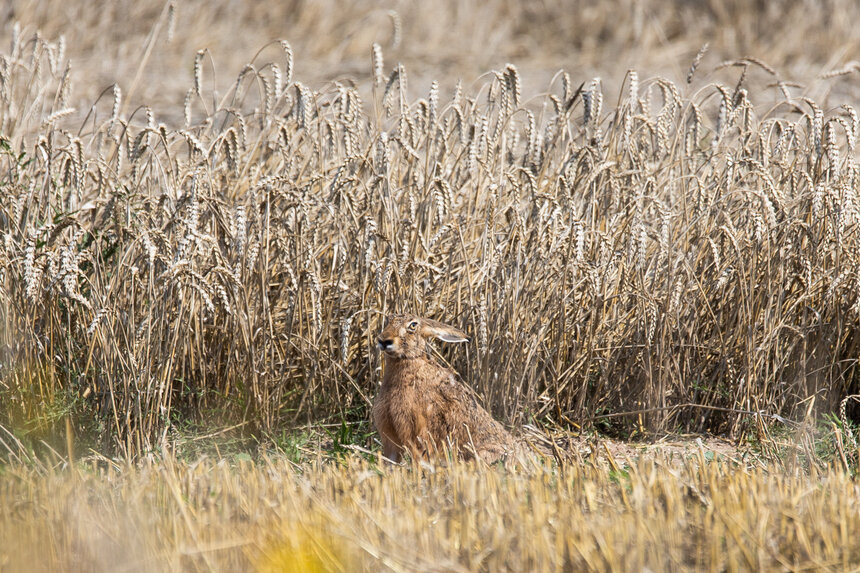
(686, 259)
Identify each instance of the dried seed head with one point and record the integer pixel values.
(443, 196)
(443, 230)
(677, 291)
(566, 91)
(831, 147)
(383, 154)
(531, 137)
(580, 242)
(388, 93)
(117, 100)
(851, 130)
(512, 78)
(593, 100)
(724, 112)
(65, 88)
(188, 99)
(633, 95)
(288, 63)
(378, 64)
(396, 28)
(696, 61)
(369, 241)
(268, 97)
(483, 140)
(817, 125)
(303, 105)
(32, 274)
(345, 328)
(433, 103)
(483, 330)
(383, 273)
(99, 316)
(171, 21)
(222, 297)
(198, 71)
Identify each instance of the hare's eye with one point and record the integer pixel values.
(412, 326)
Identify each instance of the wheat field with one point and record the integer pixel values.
(644, 213)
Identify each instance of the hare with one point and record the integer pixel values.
(422, 406)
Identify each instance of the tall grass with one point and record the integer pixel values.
(669, 256)
(659, 514)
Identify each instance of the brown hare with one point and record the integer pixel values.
(422, 406)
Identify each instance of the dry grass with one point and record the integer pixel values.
(656, 513)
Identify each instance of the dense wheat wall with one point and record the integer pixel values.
(685, 251)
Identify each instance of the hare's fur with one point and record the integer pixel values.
(423, 407)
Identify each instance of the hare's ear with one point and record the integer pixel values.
(443, 332)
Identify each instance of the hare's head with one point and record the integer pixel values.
(405, 335)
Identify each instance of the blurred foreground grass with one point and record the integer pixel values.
(701, 512)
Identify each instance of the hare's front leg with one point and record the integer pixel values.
(391, 444)
(390, 448)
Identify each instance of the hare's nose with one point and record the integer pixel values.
(384, 343)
